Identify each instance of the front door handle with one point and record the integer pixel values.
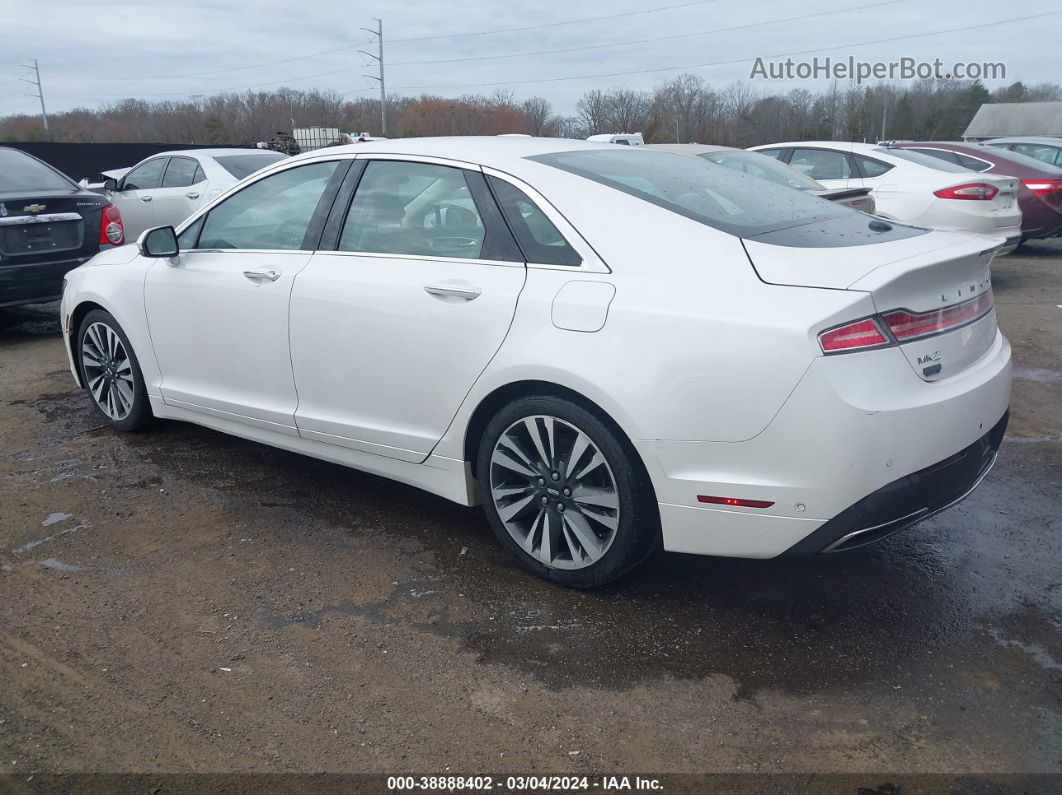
(262, 276)
(451, 291)
(145, 198)
(192, 195)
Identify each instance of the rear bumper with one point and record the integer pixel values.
(855, 425)
(906, 501)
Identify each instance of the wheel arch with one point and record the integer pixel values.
(76, 316)
(507, 393)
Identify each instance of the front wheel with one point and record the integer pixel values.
(111, 373)
(564, 493)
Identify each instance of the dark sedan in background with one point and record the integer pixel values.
(1039, 184)
(48, 225)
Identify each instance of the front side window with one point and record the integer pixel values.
(821, 163)
(540, 240)
(272, 213)
(182, 172)
(414, 209)
(145, 176)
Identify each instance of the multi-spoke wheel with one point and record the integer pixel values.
(563, 493)
(110, 372)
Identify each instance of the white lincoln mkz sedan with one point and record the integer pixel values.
(612, 349)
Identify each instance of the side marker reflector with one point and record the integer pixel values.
(735, 501)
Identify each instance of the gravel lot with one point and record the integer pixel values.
(185, 601)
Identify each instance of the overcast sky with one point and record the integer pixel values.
(95, 52)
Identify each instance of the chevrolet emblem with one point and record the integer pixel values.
(33, 208)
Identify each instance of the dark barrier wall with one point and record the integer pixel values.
(79, 160)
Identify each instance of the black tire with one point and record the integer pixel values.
(139, 414)
(638, 532)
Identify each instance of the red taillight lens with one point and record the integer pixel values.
(977, 191)
(906, 326)
(112, 231)
(1044, 187)
(735, 501)
(853, 336)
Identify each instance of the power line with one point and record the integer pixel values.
(525, 54)
(714, 63)
(420, 38)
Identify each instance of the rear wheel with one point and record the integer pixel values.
(111, 373)
(564, 493)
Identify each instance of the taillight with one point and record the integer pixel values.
(906, 326)
(977, 191)
(860, 335)
(1044, 187)
(112, 231)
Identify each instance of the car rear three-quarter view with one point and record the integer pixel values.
(612, 349)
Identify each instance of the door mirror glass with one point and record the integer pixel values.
(159, 242)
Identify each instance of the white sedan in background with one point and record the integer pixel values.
(911, 187)
(166, 188)
(611, 349)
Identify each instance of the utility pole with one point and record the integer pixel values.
(40, 91)
(379, 58)
(884, 113)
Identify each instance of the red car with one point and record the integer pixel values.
(1040, 191)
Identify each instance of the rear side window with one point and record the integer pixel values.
(181, 173)
(241, 166)
(20, 172)
(872, 168)
(540, 240)
(145, 176)
(821, 163)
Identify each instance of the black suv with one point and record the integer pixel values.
(48, 226)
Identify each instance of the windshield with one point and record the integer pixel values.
(763, 167)
(719, 197)
(242, 165)
(20, 172)
(928, 161)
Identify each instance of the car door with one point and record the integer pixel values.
(218, 313)
(135, 196)
(831, 167)
(390, 330)
(180, 193)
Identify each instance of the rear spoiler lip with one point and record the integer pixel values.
(836, 194)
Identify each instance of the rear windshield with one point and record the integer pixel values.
(928, 161)
(714, 195)
(763, 166)
(20, 172)
(242, 165)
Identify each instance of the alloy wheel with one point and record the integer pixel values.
(108, 371)
(554, 492)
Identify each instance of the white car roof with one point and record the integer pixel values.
(503, 153)
(220, 152)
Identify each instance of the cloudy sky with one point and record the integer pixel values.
(93, 53)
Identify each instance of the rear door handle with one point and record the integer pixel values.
(145, 198)
(262, 276)
(451, 291)
(192, 195)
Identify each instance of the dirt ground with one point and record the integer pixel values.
(181, 600)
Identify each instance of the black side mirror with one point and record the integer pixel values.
(159, 242)
(110, 184)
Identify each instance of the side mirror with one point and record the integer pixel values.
(110, 184)
(159, 242)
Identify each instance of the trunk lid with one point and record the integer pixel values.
(48, 226)
(923, 274)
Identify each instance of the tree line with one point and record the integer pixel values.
(683, 109)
